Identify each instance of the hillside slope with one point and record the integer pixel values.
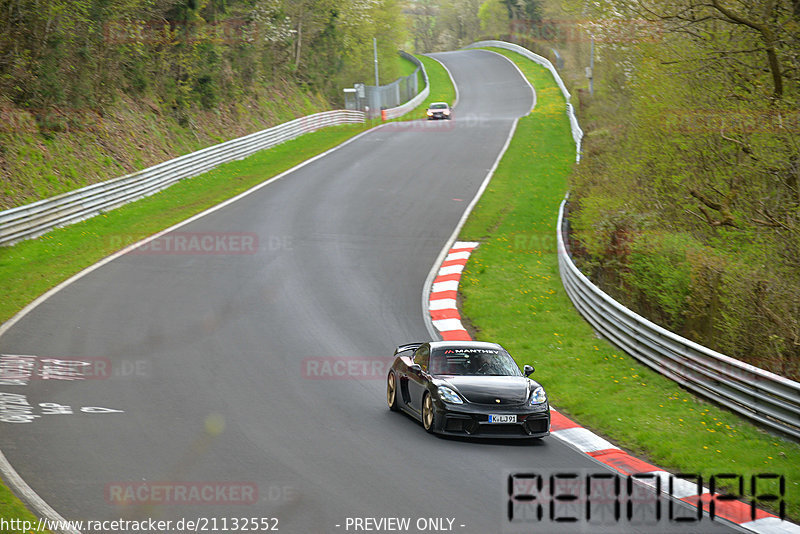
(90, 90)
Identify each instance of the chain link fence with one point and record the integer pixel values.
(373, 99)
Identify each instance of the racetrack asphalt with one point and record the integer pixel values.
(245, 368)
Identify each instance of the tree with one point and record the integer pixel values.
(695, 119)
(767, 22)
(524, 10)
(459, 24)
(424, 17)
(494, 18)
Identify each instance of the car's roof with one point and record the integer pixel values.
(439, 104)
(464, 344)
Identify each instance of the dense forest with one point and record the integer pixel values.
(687, 203)
(82, 53)
(199, 68)
(438, 25)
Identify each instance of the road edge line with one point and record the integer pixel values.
(450, 74)
(533, 106)
(426, 289)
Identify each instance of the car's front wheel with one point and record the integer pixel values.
(427, 412)
(391, 392)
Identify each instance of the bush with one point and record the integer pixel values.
(660, 273)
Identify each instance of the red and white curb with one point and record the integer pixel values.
(446, 319)
(443, 307)
(603, 451)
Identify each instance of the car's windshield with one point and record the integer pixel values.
(439, 106)
(473, 361)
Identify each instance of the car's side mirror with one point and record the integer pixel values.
(415, 367)
(528, 370)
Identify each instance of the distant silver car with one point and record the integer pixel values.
(439, 110)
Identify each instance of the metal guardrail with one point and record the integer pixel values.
(762, 396)
(394, 94)
(32, 220)
(398, 111)
(577, 133)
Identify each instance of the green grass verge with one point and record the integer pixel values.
(12, 508)
(405, 66)
(30, 268)
(512, 293)
(442, 89)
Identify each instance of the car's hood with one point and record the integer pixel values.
(490, 389)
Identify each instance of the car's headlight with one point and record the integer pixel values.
(446, 112)
(429, 113)
(448, 395)
(538, 396)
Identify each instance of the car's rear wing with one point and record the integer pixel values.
(407, 346)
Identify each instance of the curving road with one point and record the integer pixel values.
(225, 367)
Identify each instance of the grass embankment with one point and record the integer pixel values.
(512, 294)
(406, 67)
(92, 145)
(30, 268)
(12, 508)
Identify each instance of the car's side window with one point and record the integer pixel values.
(422, 357)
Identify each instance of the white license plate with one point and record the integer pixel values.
(503, 418)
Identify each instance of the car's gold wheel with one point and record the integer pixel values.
(427, 412)
(391, 392)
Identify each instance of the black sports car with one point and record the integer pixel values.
(467, 388)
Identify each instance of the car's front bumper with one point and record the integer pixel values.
(472, 420)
